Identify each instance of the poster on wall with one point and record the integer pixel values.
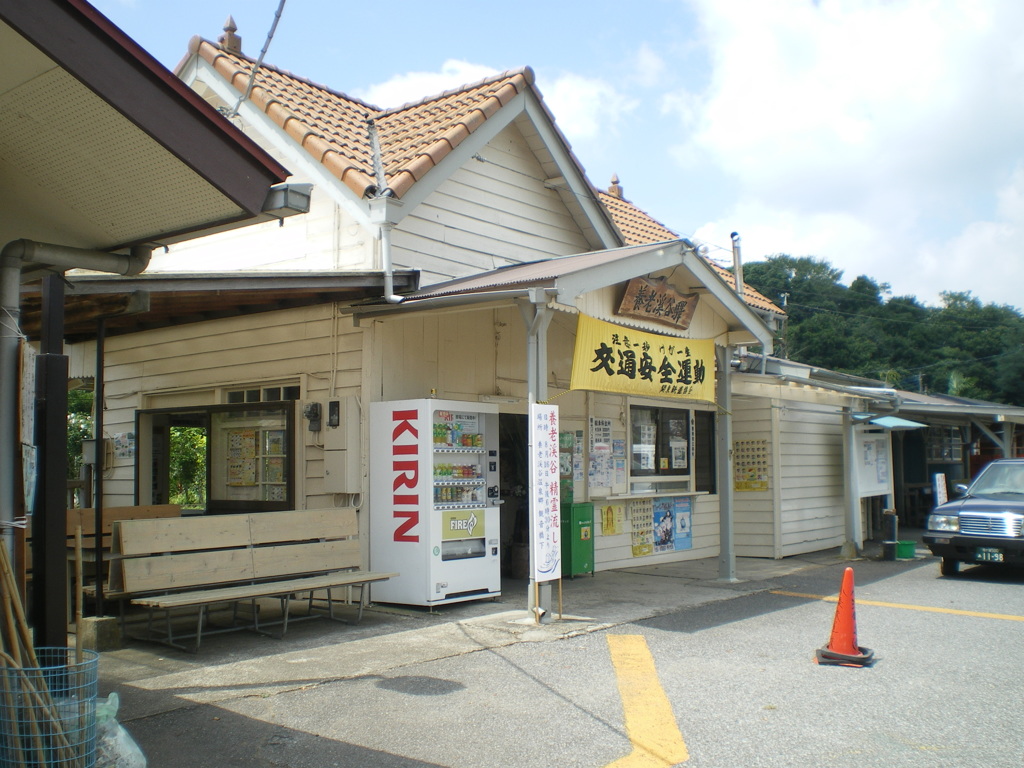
(613, 358)
(641, 515)
(602, 467)
(545, 505)
(124, 445)
(750, 465)
(672, 524)
(613, 519)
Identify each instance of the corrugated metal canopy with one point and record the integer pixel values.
(146, 302)
(566, 278)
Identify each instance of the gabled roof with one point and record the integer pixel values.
(565, 279)
(339, 131)
(638, 227)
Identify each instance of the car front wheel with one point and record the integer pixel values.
(949, 566)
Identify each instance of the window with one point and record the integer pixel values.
(945, 444)
(672, 450)
(660, 443)
(267, 394)
(246, 464)
(705, 472)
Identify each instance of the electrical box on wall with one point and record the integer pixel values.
(341, 472)
(342, 432)
(341, 447)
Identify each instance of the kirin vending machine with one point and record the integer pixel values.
(434, 501)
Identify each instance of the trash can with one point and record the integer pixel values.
(48, 712)
(577, 539)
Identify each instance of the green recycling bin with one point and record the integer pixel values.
(577, 539)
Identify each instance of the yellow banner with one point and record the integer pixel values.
(612, 358)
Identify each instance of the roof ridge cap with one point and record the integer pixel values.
(526, 72)
(199, 40)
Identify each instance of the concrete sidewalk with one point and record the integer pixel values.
(152, 679)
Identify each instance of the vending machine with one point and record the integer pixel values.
(434, 501)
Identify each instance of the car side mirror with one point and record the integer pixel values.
(960, 488)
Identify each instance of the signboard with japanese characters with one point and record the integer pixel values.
(545, 504)
(658, 301)
(613, 358)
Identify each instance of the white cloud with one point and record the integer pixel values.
(585, 108)
(416, 86)
(649, 68)
(876, 135)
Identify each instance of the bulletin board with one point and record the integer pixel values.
(873, 461)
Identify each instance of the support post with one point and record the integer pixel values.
(723, 434)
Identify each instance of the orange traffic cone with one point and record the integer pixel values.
(842, 648)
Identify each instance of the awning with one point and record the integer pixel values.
(564, 280)
(888, 422)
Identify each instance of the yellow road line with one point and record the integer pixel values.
(926, 608)
(650, 724)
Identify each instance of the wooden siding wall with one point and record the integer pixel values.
(487, 215)
(482, 352)
(756, 523)
(193, 364)
(811, 451)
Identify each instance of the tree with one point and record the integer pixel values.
(79, 428)
(188, 467)
(962, 346)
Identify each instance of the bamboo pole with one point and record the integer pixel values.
(79, 599)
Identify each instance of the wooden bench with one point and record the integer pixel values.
(198, 562)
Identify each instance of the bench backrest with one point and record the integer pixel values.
(168, 554)
(86, 518)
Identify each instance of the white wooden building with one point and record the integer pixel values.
(475, 184)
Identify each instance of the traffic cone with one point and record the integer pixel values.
(842, 648)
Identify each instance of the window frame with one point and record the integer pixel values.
(145, 429)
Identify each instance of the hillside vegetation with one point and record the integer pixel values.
(962, 347)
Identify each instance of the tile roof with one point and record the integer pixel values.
(338, 130)
(638, 228)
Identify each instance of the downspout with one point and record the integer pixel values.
(15, 256)
(10, 334)
(379, 214)
(384, 233)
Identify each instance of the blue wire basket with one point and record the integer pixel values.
(48, 712)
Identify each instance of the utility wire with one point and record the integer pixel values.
(252, 76)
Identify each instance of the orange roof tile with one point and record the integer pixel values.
(337, 130)
(638, 228)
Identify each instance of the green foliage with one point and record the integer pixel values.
(79, 428)
(961, 347)
(188, 467)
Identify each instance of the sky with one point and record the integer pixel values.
(885, 137)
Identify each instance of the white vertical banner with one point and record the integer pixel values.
(545, 509)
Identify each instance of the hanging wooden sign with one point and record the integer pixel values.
(659, 302)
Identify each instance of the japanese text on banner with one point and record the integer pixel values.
(613, 358)
(545, 504)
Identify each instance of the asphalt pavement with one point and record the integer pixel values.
(175, 703)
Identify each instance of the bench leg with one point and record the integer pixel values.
(199, 626)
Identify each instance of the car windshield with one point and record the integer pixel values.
(999, 479)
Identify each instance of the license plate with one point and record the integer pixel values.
(988, 555)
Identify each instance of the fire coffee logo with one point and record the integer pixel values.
(467, 525)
